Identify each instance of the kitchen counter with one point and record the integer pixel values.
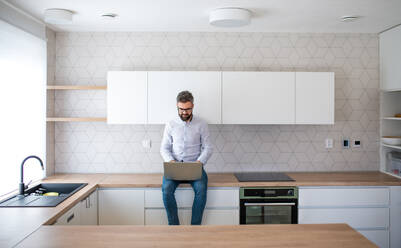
(18, 223)
(311, 236)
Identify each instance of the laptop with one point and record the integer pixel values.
(183, 170)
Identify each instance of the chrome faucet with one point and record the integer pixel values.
(21, 184)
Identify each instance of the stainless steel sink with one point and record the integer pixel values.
(34, 197)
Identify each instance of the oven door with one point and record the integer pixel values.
(268, 211)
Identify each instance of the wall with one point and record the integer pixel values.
(85, 58)
(50, 126)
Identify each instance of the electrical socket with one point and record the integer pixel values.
(329, 143)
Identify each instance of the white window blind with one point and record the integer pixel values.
(22, 105)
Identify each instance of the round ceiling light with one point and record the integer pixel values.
(58, 16)
(230, 17)
(349, 18)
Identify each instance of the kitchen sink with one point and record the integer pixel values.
(34, 197)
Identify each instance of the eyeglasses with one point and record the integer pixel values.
(185, 110)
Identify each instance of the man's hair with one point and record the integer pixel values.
(185, 96)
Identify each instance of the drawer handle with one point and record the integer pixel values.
(270, 204)
(70, 218)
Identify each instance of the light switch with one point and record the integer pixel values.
(329, 143)
(146, 143)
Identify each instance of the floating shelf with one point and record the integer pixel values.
(392, 118)
(77, 87)
(390, 146)
(77, 119)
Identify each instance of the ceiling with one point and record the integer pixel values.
(192, 15)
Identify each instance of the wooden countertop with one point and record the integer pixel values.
(18, 223)
(301, 235)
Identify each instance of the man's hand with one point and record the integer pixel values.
(173, 161)
(199, 162)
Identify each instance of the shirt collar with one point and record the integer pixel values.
(179, 121)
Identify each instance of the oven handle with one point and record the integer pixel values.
(270, 204)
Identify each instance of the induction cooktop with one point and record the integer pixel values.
(263, 177)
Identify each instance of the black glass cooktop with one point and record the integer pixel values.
(263, 177)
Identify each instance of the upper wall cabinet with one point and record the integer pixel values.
(258, 98)
(390, 59)
(165, 85)
(127, 97)
(314, 98)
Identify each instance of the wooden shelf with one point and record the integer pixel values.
(390, 146)
(77, 119)
(77, 87)
(392, 118)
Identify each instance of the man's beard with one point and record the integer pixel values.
(185, 118)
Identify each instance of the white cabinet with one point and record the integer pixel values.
(89, 209)
(366, 209)
(222, 206)
(71, 217)
(314, 98)
(395, 216)
(164, 86)
(210, 216)
(127, 97)
(258, 97)
(390, 59)
(121, 206)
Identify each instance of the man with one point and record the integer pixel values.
(186, 139)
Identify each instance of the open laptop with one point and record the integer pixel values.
(182, 170)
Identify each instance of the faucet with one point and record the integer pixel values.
(21, 184)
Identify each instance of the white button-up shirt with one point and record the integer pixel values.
(186, 141)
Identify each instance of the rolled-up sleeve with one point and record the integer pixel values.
(166, 144)
(207, 147)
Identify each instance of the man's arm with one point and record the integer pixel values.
(207, 147)
(166, 145)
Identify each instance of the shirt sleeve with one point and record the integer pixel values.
(166, 144)
(207, 147)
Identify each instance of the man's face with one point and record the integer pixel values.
(185, 110)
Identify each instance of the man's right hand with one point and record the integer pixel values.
(173, 161)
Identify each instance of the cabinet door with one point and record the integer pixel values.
(71, 217)
(164, 87)
(121, 207)
(314, 98)
(127, 97)
(210, 217)
(258, 97)
(89, 210)
(390, 59)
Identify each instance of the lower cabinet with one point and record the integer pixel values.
(222, 206)
(366, 209)
(83, 213)
(121, 206)
(89, 215)
(210, 217)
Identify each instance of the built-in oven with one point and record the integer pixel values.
(269, 205)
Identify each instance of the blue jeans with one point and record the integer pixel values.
(200, 189)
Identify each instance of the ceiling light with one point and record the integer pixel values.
(230, 17)
(58, 16)
(349, 18)
(109, 16)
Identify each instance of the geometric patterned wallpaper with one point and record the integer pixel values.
(91, 147)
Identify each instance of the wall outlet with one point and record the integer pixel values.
(329, 143)
(356, 143)
(147, 143)
(346, 143)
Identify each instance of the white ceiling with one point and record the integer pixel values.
(192, 15)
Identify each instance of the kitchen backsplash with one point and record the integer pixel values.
(85, 58)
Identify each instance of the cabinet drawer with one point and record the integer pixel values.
(355, 217)
(331, 197)
(379, 237)
(184, 197)
(210, 217)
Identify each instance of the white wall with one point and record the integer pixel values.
(84, 58)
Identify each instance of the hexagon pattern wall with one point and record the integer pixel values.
(85, 58)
